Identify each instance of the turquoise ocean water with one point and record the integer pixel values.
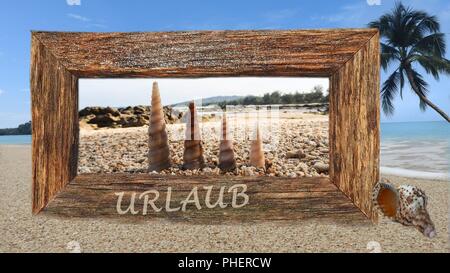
(415, 130)
(416, 149)
(16, 140)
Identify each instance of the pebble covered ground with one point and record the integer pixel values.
(293, 146)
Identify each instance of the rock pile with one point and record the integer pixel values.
(110, 117)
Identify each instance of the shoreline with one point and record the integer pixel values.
(384, 170)
(407, 173)
(15, 144)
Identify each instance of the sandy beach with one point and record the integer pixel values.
(23, 232)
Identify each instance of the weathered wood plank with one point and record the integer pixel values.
(205, 53)
(354, 126)
(349, 57)
(54, 97)
(270, 199)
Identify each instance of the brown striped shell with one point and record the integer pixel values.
(227, 161)
(257, 158)
(193, 149)
(159, 154)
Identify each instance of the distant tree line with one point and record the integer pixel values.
(23, 129)
(316, 96)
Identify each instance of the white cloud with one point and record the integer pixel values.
(373, 2)
(88, 22)
(78, 17)
(125, 92)
(73, 2)
(1, 91)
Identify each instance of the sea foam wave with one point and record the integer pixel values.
(414, 173)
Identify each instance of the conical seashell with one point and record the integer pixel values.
(257, 158)
(159, 154)
(227, 162)
(193, 150)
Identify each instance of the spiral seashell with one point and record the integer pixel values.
(193, 149)
(257, 158)
(159, 154)
(227, 162)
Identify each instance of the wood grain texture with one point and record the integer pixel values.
(54, 97)
(279, 199)
(350, 57)
(354, 126)
(205, 53)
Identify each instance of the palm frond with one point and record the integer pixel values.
(434, 65)
(420, 24)
(433, 44)
(428, 24)
(388, 55)
(421, 85)
(404, 23)
(383, 24)
(429, 66)
(388, 92)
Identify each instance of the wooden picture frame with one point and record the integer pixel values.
(348, 57)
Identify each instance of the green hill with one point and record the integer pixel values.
(22, 129)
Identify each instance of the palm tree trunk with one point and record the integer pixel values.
(422, 97)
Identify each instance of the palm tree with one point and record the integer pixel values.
(410, 39)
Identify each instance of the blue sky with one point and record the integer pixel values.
(19, 17)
